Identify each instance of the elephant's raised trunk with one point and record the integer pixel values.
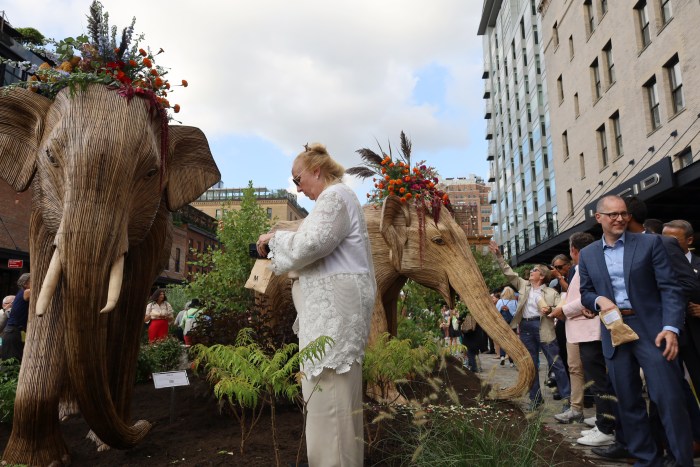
(475, 295)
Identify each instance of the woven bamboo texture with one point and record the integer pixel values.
(98, 193)
(447, 266)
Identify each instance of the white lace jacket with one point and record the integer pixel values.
(331, 253)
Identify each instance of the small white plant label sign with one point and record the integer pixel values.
(170, 379)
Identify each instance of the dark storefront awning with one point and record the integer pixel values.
(667, 195)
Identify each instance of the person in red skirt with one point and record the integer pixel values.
(160, 314)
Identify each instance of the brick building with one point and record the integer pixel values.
(469, 198)
(279, 204)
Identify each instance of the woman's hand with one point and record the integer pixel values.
(262, 242)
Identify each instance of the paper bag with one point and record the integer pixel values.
(260, 276)
(620, 333)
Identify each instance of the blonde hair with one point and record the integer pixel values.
(507, 294)
(315, 156)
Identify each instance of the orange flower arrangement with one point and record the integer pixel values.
(396, 177)
(99, 59)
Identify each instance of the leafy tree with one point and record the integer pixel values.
(222, 288)
(31, 36)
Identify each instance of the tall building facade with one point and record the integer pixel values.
(623, 104)
(279, 204)
(469, 197)
(517, 126)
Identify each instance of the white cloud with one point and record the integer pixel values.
(341, 72)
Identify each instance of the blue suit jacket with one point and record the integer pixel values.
(652, 288)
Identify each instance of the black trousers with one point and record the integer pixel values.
(12, 345)
(596, 375)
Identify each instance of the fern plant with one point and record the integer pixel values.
(247, 378)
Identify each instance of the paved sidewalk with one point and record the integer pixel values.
(501, 376)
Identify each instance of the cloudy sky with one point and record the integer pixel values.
(267, 76)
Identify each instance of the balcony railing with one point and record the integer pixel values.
(489, 130)
(487, 89)
(487, 109)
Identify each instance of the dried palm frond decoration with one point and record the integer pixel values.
(125, 67)
(395, 177)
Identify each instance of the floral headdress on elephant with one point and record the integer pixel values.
(395, 177)
(98, 58)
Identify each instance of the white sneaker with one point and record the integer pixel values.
(596, 438)
(588, 432)
(590, 421)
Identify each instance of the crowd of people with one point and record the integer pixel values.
(618, 317)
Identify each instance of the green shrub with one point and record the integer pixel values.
(9, 373)
(162, 355)
(247, 378)
(388, 361)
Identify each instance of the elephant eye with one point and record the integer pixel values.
(151, 173)
(51, 158)
(438, 240)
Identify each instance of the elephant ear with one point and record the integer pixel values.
(22, 117)
(190, 167)
(394, 223)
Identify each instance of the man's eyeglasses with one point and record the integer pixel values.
(297, 179)
(615, 215)
(559, 267)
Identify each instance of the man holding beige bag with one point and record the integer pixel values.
(628, 279)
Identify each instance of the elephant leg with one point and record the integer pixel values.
(36, 437)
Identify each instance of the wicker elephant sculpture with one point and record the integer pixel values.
(443, 263)
(106, 172)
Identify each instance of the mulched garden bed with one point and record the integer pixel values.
(201, 436)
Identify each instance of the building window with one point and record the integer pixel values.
(555, 34)
(560, 89)
(603, 146)
(610, 62)
(676, 83)
(565, 144)
(571, 47)
(535, 34)
(269, 213)
(666, 12)
(218, 213)
(652, 93)
(643, 16)
(685, 158)
(603, 7)
(595, 74)
(537, 64)
(590, 18)
(177, 260)
(576, 107)
(617, 131)
(522, 28)
(570, 201)
(582, 165)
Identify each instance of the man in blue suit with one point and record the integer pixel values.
(631, 273)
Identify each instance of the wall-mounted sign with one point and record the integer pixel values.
(15, 263)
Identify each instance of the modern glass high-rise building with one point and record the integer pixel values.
(517, 127)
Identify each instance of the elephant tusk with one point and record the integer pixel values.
(116, 275)
(48, 288)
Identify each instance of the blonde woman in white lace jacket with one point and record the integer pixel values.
(334, 296)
